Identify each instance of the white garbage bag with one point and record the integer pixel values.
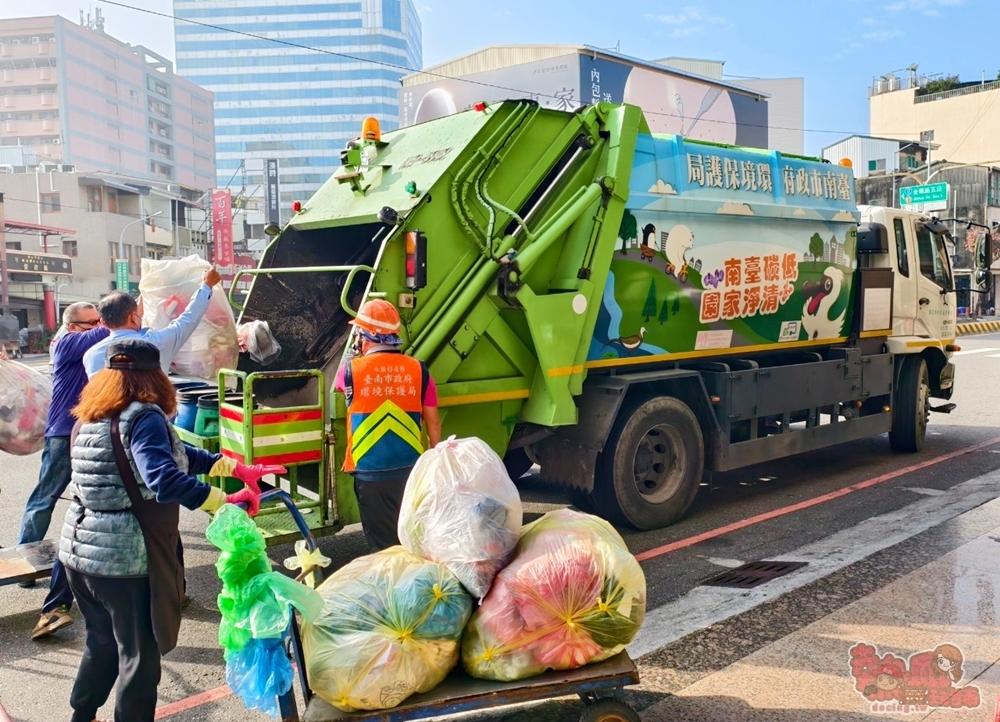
(167, 288)
(461, 509)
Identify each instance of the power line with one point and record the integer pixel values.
(394, 66)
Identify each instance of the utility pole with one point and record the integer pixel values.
(927, 136)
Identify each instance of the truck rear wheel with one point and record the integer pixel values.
(911, 406)
(651, 466)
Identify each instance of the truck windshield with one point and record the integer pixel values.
(934, 262)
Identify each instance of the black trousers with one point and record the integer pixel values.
(379, 503)
(120, 646)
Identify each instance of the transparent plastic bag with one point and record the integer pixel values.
(390, 627)
(461, 509)
(167, 288)
(25, 396)
(256, 339)
(572, 595)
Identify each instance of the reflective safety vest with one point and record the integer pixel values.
(385, 412)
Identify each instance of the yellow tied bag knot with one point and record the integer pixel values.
(305, 560)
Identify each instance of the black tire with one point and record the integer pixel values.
(650, 470)
(911, 406)
(517, 462)
(609, 710)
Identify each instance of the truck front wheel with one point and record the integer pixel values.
(651, 466)
(911, 406)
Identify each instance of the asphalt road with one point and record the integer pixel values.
(774, 510)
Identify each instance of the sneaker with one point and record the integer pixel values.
(52, 622)
(30, 584)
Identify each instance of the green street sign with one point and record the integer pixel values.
(927, 197)
(121, 275)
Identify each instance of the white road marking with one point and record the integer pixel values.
(966, 352)
(925, 492)
(994, 355)
(703, 606)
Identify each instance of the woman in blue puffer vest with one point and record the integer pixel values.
(131, 475)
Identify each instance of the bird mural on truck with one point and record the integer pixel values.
(820, 298)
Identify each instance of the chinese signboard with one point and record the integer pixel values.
(121, 275)
(46, 263)
(240, 263)
(706, 170)
(271, 192)
(222, 227)
(928, 197)
(748, 286)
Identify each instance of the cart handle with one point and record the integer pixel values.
(283, 496)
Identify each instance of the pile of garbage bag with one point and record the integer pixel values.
(572, 595)
(167, 287)
(461, 509)
(25, 396)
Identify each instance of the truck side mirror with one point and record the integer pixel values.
(984, 279)
(984, 252)
(873, 238)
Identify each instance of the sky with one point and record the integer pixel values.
(838, 47)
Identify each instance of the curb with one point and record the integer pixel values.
(975, 327)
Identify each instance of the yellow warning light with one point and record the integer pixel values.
(370, 130)
(846, 162)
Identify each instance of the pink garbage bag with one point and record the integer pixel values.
(571, 596)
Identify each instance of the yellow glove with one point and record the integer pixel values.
(223, 467)
(216, 498)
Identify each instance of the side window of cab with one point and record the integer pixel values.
(902, 255)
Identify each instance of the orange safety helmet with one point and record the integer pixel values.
(378, 317)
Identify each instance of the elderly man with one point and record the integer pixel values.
(122, 315)
(68, 379)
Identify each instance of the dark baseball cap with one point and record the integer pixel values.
(134, 354)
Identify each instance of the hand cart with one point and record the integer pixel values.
(600, 686)
(27, 562)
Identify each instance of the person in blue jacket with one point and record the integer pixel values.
(82, 323)
(131, 475)
(123, 316)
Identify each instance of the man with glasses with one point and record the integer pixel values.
(82, 322)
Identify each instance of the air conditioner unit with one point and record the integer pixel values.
(15, 41)
(6, 168)
(57, 141)
(47, 167)
(20, 168)
(36, 40)
(67, 168)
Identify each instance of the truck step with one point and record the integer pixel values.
(945, 409)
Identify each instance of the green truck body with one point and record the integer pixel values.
(579, 269)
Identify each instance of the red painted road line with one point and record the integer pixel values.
(750, 521)
(183, 705)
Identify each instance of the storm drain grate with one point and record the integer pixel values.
(752, 574)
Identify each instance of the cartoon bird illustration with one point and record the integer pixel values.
(676, 244)
(819, 301)
(647, 251)
(629, 343)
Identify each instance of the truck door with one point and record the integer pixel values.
(904, 301)
(935, 286)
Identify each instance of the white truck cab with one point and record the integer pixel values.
(924, 309)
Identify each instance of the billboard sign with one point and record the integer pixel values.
(222, 227)
(271, 192)
(673, 103)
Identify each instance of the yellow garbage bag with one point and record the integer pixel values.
(390, 627)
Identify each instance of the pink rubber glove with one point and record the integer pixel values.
(248, 496)
(250, 475)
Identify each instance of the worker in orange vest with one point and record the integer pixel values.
(391, 402)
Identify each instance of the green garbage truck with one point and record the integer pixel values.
(627, 310)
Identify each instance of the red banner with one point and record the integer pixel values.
(222, 227)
